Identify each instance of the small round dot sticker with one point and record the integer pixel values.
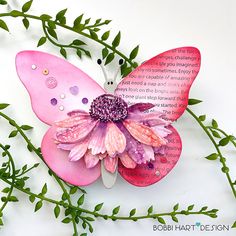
(62, 96)
(61, 108)
(85, 100)
(45, 71)
(34, 67)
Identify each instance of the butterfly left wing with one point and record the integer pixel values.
(57, 87)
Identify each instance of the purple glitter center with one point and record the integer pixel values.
(108, 107)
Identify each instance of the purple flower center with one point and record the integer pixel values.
(108, 107)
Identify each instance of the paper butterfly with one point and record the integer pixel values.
(95, 133)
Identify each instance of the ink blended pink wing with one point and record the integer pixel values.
(165, 81)
(57, 87)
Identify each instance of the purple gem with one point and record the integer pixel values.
(74, 90)
(150, 165)
(85, 100)
(54, 101)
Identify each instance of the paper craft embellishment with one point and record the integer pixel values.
(125, 129)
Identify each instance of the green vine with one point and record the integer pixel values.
(74, 212)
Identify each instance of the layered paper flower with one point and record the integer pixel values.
(112, 130)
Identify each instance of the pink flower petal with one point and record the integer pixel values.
(161, 131)
(97, 141)
(127, 161)
(72, 172)
(90, 159)
(143, 175)
(77, 133)
(115, 140)
(77, 113)
(73, 121)
(79, 150)
(110, 164)
(148, 153)
(143, 133)
(66, 147)
(140, 107)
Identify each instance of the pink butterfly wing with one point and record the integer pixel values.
(164, 80)
(57, 87)
(145, 175)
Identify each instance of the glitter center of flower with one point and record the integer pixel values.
(108, 107)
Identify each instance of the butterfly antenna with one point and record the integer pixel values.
(99, 61)
(121, 61)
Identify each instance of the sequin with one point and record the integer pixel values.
(54, 101)
(61, 108)
(45, 71)
(85, 100)
(62, 96)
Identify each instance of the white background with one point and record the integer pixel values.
(157, 26)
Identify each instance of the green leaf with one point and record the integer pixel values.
(27, 6)
(212, 157)
(87, 21)
(13, 134)
(41, 41)
(63, 52)
(87, 53)
(116, 210)
(3, 106)
(52, 32)
(105, 36)
(193, 101)
(190, 207)
(6, 190)
(134, 53)
(224, 141)
(38, 206)
(73, 190)
(93, 34)
(45, 17)
(60, 16)
(225, 169)
(2, 2)
(81, 200)
(204, 208)
(109, 58)
(105, 52)
(32, 198)
(84, 234)
(98, 207)
(79, 54)
(26, 23)
(67, 220)
(174, 218)
(1, 222)
(77, 22)
(15, 13)
(13, 199)
(57, 210)
(26, 127)
(150, 210)
(116, 41)
(44, 189)
(202, 117)
(3, 25)
(161, 220)
(234, 225)
(126, 71)
(214, 124)
(215, 134)
(176, 207)
(78, 42)
(132, 212)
